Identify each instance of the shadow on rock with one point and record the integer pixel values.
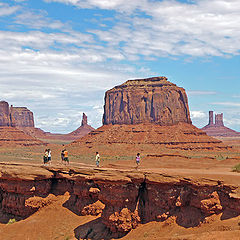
(6, 218)
(227, 214)
(96, 230)
(189, 217)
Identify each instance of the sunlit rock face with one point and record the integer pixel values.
(151, 100)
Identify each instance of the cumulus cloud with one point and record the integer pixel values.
(198, 115)
(6, 10)
(203, 28)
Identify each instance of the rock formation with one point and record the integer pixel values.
(150, 115)
(15, 116)
(21, 117)
(151, 100)
(4, 114)
(83, 130)
(218, 129)
(13, 136)
(124, 199)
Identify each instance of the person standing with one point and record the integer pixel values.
(97, 159)
(66, 160)
(49, 156)
(45, 157)
(62, 156)
(138, 160)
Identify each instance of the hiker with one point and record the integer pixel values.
(49, 156)
(62, 156)
(45, 157)
(97, 159)
(65, 156)
(138, 160)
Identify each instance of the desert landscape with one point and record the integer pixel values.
(187, 185)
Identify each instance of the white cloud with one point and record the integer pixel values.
(203, 28)
(198, 115)
(199, 93)
(6, 10)
(228, 104)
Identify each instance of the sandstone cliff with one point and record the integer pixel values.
(154, 100)
(218, 129)
(4, 114)
(21, 117)
(123, 198)
(15, 116)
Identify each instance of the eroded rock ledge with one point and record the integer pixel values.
(123, 198)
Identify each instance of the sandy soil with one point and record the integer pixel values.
(57, 222)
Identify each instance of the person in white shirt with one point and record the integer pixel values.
(97, 159)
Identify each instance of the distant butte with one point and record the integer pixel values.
(150, 100)
(149, 115)
(218, 129)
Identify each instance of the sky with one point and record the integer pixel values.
(58, 57)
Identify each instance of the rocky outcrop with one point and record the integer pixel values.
(4, 114)
(218, 129)
(21, 117)
(15, 116)
(83, 130)
(13, 136)
(123, 198)
(151, 100)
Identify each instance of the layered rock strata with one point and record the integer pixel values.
(123, 198)
(13, 136)
(151, 100)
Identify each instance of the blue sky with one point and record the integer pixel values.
(58, 57)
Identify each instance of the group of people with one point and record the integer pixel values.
(47, 157)
(64, 157)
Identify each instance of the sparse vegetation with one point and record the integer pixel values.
(220, 157)
(236, 168)
(11, 221)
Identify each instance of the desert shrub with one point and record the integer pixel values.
(236, 168)
(220, 157)
(11, 221)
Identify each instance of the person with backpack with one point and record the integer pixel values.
(62, 156)
(66, 160)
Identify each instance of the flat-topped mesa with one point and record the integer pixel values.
(21, 117)
(4, 114)
(150, 100)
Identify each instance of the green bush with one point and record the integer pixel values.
(11, 221)
(236, 168)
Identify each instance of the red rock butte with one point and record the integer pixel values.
(15, 116)
(218, 129)
(12, 120)
(146, 115)
(154, 100)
